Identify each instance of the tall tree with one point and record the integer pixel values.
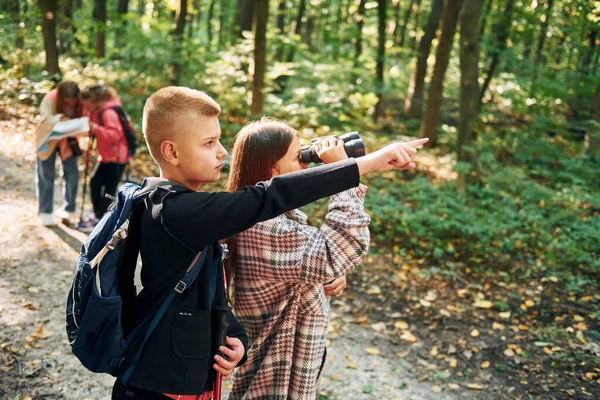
(209, 20)
(100, 23)
(592, 136)
(261, 15)
(407, 14)
(280, 27)
(469, 90)
(244, 12)
(298, 27)
(442, 56)
(122, 9)
(48, 9)
(382, 23)
(413, 106)
(177, 64)
(15, 16)
(359, 19)
(540, 45)
(414, 39)
(498, 46)
(222, 19)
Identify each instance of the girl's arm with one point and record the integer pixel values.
(287, 251)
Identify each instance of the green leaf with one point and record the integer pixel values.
(367, 389)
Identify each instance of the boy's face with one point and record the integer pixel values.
(200, 153)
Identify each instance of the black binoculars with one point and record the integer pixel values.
(353, 145)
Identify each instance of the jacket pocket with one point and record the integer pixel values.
(191, 334)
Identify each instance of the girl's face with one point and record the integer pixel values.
(290, 162)
(90, 105)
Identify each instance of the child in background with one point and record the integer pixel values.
(58, 105)
(113, 155)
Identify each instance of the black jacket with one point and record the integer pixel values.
(176, 224)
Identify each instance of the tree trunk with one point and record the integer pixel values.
(177, 64)
(499, 44)
(280, 27)
(244, 12)
(222, 18)
(469, 101)
(381, 16)
(48, 9)
(15, 16)
(395, 31)
(592, 136)
(261, 12)
(405, 23)
(588, 53)
(66, 27)
(209, 17)
(141, 10)
(413, 106)
(359, 18)
(100, 20)
(486, 13)
(442, 56)
(417, 26)
(309, 28)
(540, 45)
(298, 28)
(120, 32)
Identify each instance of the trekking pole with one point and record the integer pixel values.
(223, 324)
(85, 175)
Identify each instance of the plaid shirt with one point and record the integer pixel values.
(281, 266)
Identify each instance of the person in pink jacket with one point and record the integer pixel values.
(106, 126)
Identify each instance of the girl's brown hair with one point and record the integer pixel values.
(256, 150)
(98, 93)
(68, 90)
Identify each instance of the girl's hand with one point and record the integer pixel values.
(336, 287)
(330, 150)
(234, 352)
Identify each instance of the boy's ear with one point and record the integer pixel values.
(169, 152)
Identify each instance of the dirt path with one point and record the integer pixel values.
(36, 267)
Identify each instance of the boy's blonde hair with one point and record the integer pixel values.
(167, 107)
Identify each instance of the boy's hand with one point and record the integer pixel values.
(330, 150)
(234, 351)
(335, 287)
(393, 156)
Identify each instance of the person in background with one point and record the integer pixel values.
(60, 104)
(105, 125)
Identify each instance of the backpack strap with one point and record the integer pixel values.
(188, 278)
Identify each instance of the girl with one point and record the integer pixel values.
(100, 102)
(281, 267)
(59, 104)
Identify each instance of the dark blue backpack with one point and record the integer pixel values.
(103, 287)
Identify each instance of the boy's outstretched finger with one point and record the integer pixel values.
(417, 143)
(409, 165)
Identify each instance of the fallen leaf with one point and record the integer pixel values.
(453, 362)
(425, 303)
(541, 344)
(374, 290)
(436, 389)
(497, 326)
(403, 325)
(30, 306)
(41, 333)
(403, 354)
(378, 327)
(475, 386)
(578, 318)
(475, 333)
(548, 351)
(431, 295)
(483, 304)
(352, 366)
(367, 389)
(409, 337)
(434, 351)
(504, 315)
(580, 326)
(485, 364)
(523, 327)
(509, 352)
(335, 377)
(453, 386)
(373, 351)
(33, 289)
(529, 303)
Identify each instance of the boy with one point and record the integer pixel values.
(182, 131)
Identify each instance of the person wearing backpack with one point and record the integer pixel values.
(181, 350)
(60, 104)
(109, 126)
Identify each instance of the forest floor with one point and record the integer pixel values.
(396, 333)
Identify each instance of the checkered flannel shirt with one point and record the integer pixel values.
(281, 266)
